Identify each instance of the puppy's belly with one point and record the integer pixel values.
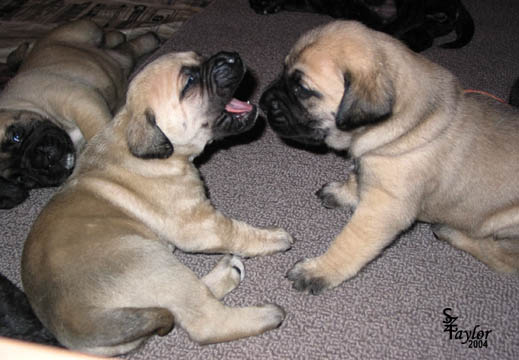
(473, 217)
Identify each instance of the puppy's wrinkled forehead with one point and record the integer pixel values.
(6, 119)
(9, 117)
(21, 118)
(334, 49)
(161, 81)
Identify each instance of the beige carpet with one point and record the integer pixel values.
(394, 309)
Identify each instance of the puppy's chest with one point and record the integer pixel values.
(174, 190)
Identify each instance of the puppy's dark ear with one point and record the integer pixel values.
(15, 58)
(364, 104)
(146, 140)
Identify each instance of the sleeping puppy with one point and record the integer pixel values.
(67, 87)
(416, 22)
(424, 149)
(98, 267)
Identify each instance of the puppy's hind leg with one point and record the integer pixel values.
(110, 332)
(225, 276)
(198, 311)
(113, 38)
(143, 44)
(80, 31)
(127, 52)
(214, 322)
(500, 254)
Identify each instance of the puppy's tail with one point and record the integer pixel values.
(17, 320)
(514, 94)
(464, 29)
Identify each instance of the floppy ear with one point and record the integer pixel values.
(146, 140)
(361, 105)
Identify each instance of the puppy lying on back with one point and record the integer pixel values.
(425, 150)
(66, 89)
(97, 266)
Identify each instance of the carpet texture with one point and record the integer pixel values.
(395, 307)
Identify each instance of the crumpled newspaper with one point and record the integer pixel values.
(27, 20)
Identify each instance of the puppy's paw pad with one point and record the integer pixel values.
(443, 233)
(328, 197)
(305, 277)
(336, 195)
(237, 266)
(230, 267)
(436, 230)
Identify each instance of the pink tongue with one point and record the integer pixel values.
(237, 106)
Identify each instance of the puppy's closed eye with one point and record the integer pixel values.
(301, 90)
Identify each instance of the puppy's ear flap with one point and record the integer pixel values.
(146, 140)
(364, 105)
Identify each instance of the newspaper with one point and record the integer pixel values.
(27, 20)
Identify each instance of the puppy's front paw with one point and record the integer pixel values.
(277, 240)
(308, 275)
(328, 195)
(338, 194)
(267, 241)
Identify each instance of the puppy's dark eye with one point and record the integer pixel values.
(302, 91)
(190, 80)
(191, 76)
(16, 137)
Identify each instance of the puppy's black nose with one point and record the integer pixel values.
(47, 153)
(224, 58)
(227, 70)
(269, 102)
(265, 101)
(227, 63)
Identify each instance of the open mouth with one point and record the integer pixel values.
(226, 72)
(238, 109)
(237, 117)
